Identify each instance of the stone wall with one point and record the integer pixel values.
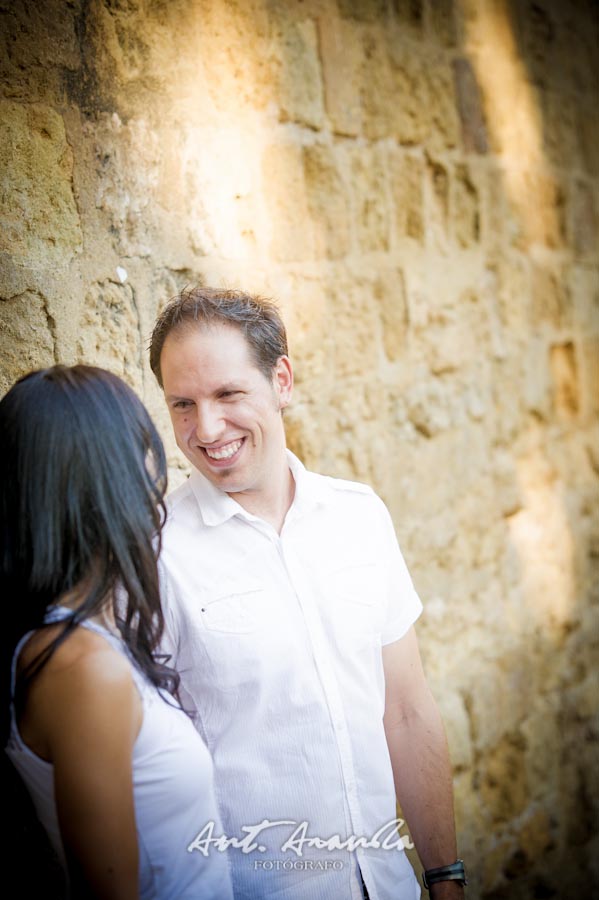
(417, 182)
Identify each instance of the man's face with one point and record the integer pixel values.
(226, 414)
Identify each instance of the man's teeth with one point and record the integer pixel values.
(224, 452)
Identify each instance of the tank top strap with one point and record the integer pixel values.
(60, 613)
(13, 667)
(55, 614)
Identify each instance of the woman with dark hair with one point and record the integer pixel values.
(118, 775)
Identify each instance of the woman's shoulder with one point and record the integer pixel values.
(84, 652)
(85, 681)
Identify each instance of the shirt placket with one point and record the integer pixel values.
(322, 656)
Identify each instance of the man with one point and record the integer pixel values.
(290, 611)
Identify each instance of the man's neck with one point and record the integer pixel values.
(273, 503)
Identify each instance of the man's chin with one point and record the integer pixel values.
(226, 478)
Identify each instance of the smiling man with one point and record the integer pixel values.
(290, 617)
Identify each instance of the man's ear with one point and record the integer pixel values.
(283, 381)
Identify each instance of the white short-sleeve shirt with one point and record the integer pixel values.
(278, 642)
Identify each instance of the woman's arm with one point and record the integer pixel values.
(87, 712)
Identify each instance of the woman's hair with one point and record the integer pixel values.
(81, 508)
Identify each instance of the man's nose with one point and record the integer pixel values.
(210, 424)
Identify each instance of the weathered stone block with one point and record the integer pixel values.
(437, 207)
(283, 172)
(424, 104)
(501, 221)
(427, 408)
(299, 86)
(582, 283)
(575, 50)
(514, 295)
(440, 106)
(540, 203)
(377, 87)
(370, 194)
(27, 339)
(109, 333)
(504, 787)
(446, 346)
(542, 732)
(409, 13)
(560, 129)
(39, 214)
(407, 187)
(457, 727)
(584, 218)
(311, 331)
(588, 137)
(342, 62)
(128, 161)
(470, 107)
(390, 294)
(236, 54)
(465, 208)
(505, 476)
(355, 350)
(590, 375)
(410, 126)
(538, 29)
(327, 201)
(566, 390)
(442, 19)
(38, 42)
(363, 10)
(551, 301)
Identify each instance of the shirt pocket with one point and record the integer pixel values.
(236, 606)
(353, 602)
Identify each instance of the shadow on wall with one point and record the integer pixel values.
(540, 781)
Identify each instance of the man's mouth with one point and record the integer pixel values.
(226, 451)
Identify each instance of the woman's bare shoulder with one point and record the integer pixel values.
(84, 650)
(85, 679)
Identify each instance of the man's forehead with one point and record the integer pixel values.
(212, 357)
(215, 329)
(218, 341)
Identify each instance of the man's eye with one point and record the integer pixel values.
(181, 404)
(226, 395)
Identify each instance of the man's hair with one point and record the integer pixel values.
(258, 320)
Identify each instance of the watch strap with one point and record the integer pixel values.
(454, 872)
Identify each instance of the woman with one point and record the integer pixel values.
(120, 779)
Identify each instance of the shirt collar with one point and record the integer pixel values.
(217, 507)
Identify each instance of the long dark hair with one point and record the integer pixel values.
(81, 509)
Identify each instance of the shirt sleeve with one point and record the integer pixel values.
(403, 603)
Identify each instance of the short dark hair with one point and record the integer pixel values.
(257, 318)
(81, 509)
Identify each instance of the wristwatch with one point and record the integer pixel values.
(454, 872)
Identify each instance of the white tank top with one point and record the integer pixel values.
(172, 788)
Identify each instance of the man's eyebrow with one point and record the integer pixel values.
(226, 386)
